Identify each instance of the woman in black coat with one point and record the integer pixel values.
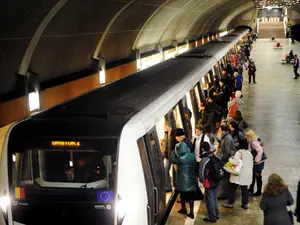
(297, 212)
(276, 198)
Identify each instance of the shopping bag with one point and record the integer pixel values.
(234, 169)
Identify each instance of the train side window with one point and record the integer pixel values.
(188, 116)
(195, 98)
(192, 106)
(177, 115)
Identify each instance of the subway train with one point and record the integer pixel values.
(97, 159)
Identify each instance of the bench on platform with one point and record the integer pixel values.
(284, 61)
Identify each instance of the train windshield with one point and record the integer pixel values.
(62, 169)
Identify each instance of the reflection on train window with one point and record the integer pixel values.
(190, 107)
(59, 168)
(160, 128)
(197, 93)
(177, 116)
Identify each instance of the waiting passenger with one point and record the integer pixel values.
(259, 161)
(244, 179)
(237, 135)
(238, 81)
(180, 137)
(187, 176)
(200, 137)
(238, 118)
(206, 174)
(291, 54)
(227, 149)
(170, 142)
(252, 70)
(296, 67)
(206, 119)
(187, 121)
(276, 198)
(226, 95)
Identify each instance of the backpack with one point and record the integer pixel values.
(217, 171)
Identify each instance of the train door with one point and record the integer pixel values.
(154, 176)
(157, 169)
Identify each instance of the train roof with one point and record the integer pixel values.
(113, 105)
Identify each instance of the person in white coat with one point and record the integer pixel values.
(244, 179)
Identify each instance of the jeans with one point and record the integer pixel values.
(212, 203)
(296, 72)
(223, 188)
(253, 78)
(258, 178)
(167, 165)
(232, 191)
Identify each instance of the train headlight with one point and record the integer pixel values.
(4, 203)
(121, 210)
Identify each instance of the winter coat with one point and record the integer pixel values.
(227, 148)
(206, 120)
(245, 177)
(274, 207)
(239, 82)
(205, 171)
(252, 68)
(237, 137)
(242, 124)
(186, 174)
(239, 101)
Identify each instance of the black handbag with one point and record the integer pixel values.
(198, 194)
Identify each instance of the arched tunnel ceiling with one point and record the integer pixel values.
(55, 38)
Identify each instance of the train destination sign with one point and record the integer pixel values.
(65, 143)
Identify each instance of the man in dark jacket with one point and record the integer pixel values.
(297, 212)
(227, 149)
(205, 176)
(296, 67)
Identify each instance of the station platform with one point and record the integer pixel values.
(272, 110)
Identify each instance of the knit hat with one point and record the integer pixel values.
(179, 132)
(238, 94)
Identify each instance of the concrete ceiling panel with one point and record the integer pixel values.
(21, 18)
(76, 17)
(71, 37)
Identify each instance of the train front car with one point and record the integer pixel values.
(59, 179)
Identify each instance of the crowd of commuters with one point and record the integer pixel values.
(222, 136)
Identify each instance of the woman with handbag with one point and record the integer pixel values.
(259, 161)
(276, 198)
(186, 174)
(244, 179)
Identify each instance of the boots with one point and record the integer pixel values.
(259, 185)
(183, 208)
(191, 214)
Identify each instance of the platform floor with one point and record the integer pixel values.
(272, 108)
